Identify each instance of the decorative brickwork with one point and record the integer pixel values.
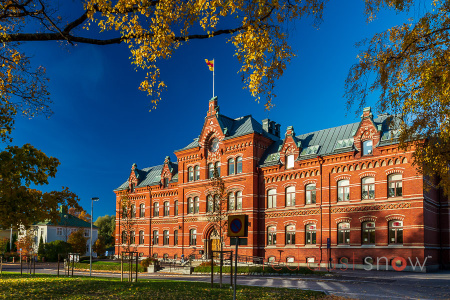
(330, 189)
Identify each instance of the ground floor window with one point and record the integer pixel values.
(193, 237)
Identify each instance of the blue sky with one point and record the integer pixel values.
(102, 124)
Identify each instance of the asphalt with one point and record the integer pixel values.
(357, 284)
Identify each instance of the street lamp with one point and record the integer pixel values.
(90, 248)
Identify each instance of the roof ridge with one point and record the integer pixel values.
(297, 136)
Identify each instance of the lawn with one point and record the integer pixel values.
(107, 266)
(15, 286)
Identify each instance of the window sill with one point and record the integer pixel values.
(368, 245)
(289, 246)
(310, 245)
(343, 245)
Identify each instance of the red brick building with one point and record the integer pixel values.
(350, 184)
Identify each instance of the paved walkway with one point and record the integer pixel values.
(358, 284)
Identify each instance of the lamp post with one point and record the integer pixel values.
(90, 239)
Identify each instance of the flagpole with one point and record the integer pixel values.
(214, 70)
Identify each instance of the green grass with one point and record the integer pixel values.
(261, 270)
(107, 266)
(15, 286)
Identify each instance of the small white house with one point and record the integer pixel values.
(66, 225)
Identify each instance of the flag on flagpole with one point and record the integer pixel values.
(210, 64)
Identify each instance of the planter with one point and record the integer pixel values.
(152, 268)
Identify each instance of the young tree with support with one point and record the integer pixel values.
(217, 212)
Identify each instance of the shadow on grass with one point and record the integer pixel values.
(40, 286)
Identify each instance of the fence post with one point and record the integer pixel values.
(58, 265)
(212, 269)
(121, 267)
(221, 265)
(231, 268)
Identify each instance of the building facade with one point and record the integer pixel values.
(61, 231)
(346, 194)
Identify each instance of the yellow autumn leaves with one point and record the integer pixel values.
(154, 29)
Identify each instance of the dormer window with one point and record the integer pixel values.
(367, 147)
(166, 182)
(289, 161)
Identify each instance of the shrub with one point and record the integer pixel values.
(9, 255)
(54, 248)
(147, 261)
(207, 264)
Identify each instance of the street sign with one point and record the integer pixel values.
(237, 226)
(242, 241)
(328, 243)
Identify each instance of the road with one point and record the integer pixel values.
(358, 284)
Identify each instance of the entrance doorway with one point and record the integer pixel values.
(214, 243)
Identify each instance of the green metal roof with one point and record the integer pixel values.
(236, 127)
(151, 176)
(68, 220)
(331, 141)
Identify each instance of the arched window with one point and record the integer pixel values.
(238, 165)
(368, 188)
(231, 201)
(166, 208)
(231, 166)
(156, 209)
(271, 235)
(217, 206)
(310, 195)
(142, 210)
(166, 237)
(368, 233)
(395, 185)
(132, 237)
(217, 168)
(175, 208)
(344, 233)
(133, 211)
(210, 170)
(141, 237)
(343, 190)
(310, 237)
(155, 237)
(175, 238)
(290, 235)
(192, 237)
(272, 198)
(395, 232)
(190, 206)
(197, 173)
(124, 212)
(210, 206)
(124, 237)
(190, 174)
(196, 205)
(238, 200)
(290, 196)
